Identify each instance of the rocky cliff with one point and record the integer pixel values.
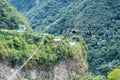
(51, 62)
(62, 70)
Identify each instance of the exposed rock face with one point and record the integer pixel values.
(63, 69)
(5, 71)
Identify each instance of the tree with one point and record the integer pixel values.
(114, 75)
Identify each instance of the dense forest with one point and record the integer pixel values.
(100, 16)
(10, 18)
(57, 17)
(16, 47)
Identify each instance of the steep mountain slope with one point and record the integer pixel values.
(22, 5)
(10, 18)
(47, 13)
(105, 45)
(49, 60)
(100, 16)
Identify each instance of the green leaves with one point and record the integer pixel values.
(10, 18)
(114, 75)
(16, 48)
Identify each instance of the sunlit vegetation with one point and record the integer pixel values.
(17, 47)
(100, 16)
(114, 75)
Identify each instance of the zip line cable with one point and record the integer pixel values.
(14, 73)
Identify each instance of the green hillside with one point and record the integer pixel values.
(100, 16)
(16, 48)
(22, 5)
(10, 18)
